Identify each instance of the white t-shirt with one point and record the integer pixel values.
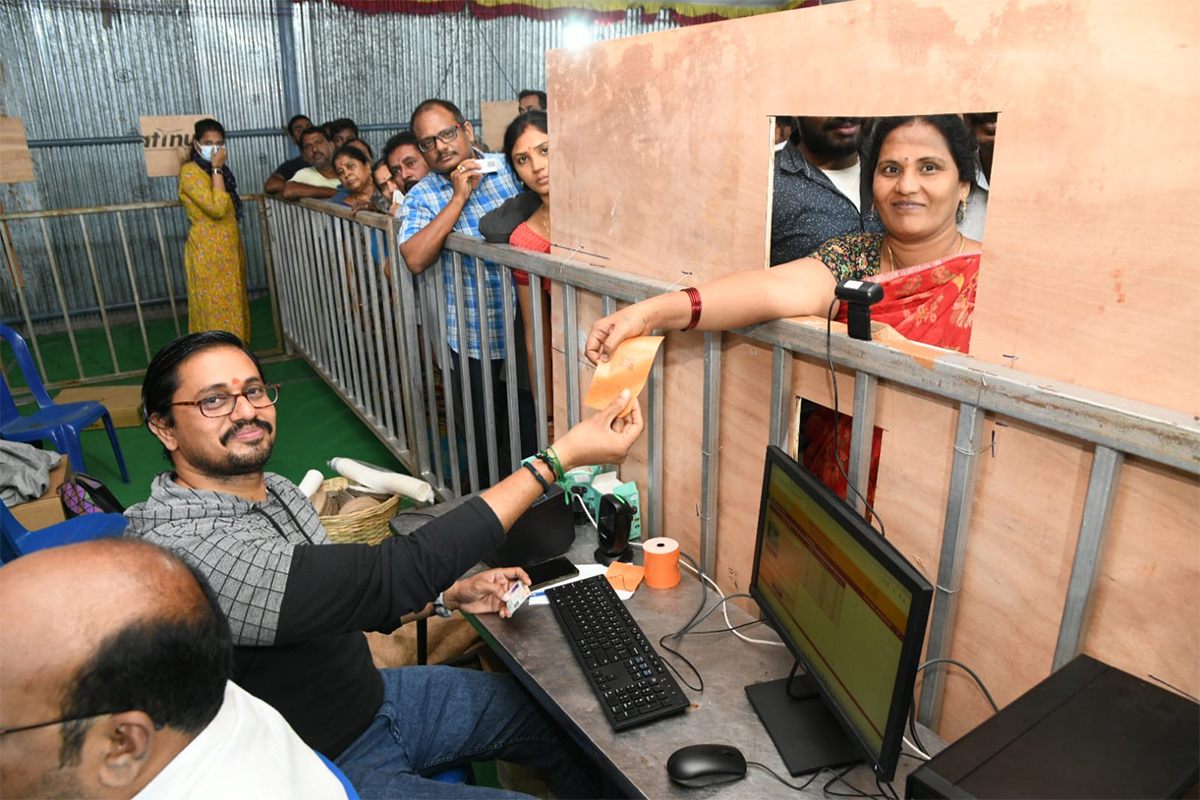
(846, 181)
(247, 751)
(312, 177)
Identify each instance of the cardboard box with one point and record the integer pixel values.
(47, 509)
(124, 403)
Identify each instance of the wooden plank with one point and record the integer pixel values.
(166, 141)
(15, 164)
(1087, 277)
(495, 116)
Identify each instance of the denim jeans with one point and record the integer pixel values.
(436, 718)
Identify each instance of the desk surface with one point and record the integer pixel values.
(533, 647)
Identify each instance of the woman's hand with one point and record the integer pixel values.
(485, 592)
(219, 157)
(610, 331)
(603, 438)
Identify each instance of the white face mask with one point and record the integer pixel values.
(207, 151)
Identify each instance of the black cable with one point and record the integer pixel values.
(841, 776)
(662, 642)
(777, 777)
(889, 792)
(787, 687)
(912, 724)
(969, 671)
(837, 442)
(728, 629)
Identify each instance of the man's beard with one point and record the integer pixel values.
(410, 183)
(821, 144)
(235, 464)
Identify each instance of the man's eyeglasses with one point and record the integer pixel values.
(221, 405)
(448, 135)
(158, 726)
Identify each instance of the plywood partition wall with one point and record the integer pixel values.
(661, 165)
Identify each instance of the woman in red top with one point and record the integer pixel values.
(527, 148)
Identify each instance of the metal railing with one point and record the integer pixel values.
(325, 265)
(140, 264)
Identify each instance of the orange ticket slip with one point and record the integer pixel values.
(628, 368)
(624, 577)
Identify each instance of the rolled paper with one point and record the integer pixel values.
(312, 481)
(661, 558)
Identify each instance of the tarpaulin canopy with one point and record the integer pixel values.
(682, 12)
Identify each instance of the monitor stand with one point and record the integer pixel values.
(804, 730)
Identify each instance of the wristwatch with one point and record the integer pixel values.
(439, 606)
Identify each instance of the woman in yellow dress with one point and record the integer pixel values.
(213, 255)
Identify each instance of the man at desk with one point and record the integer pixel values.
(296, 603)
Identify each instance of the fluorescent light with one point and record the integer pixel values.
(577, 35)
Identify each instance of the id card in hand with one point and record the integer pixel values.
(518, 593)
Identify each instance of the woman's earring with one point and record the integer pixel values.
(873, 214)
(962, 208)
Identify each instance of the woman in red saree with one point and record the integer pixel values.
(920, 170)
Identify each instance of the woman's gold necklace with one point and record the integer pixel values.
(962, 242)
(542, 221)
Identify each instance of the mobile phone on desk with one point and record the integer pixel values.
(549, 572)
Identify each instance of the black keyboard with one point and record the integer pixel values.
(629, 678)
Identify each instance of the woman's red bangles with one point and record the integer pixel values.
(693, 295)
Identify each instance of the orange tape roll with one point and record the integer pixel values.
(662, 562)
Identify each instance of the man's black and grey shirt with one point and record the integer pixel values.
(297, 604)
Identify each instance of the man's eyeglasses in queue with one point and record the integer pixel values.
(447, 135)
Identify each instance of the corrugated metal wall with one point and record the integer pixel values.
(81, 72)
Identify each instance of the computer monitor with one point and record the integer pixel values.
(851, 610)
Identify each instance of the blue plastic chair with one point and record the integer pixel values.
(60, 423)
(16, 540)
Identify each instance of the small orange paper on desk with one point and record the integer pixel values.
(624, 577)
(627, 369)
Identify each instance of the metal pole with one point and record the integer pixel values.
(137, 299)
(539, 361)
(862, 438)
(269, 266)
(571, 353)
(654, 436)
(87, 247)
(485, 354)
(464, 370)
(288, 61)
(710, 454)
(162, 251)
(510, 371)
(781, 397)
(62, 300)
(442, 332)
(1089, 553)
(959, 503)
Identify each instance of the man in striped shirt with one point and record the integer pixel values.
(452, 198)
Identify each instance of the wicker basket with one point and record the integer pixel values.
(362, 527)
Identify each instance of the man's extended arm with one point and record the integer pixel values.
(294, 190)
(275, 184)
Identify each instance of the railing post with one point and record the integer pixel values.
(959, 504)
(862, 438)
(781, 397)
(710, 455)
(1089, 553)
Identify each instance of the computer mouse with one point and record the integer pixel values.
(705, 764)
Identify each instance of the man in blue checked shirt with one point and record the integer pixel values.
(453, 197)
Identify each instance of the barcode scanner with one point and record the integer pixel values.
(858, 296)
(612, 528)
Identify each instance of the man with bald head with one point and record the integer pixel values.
(114, 682)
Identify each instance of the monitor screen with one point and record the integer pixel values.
(850, 608)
